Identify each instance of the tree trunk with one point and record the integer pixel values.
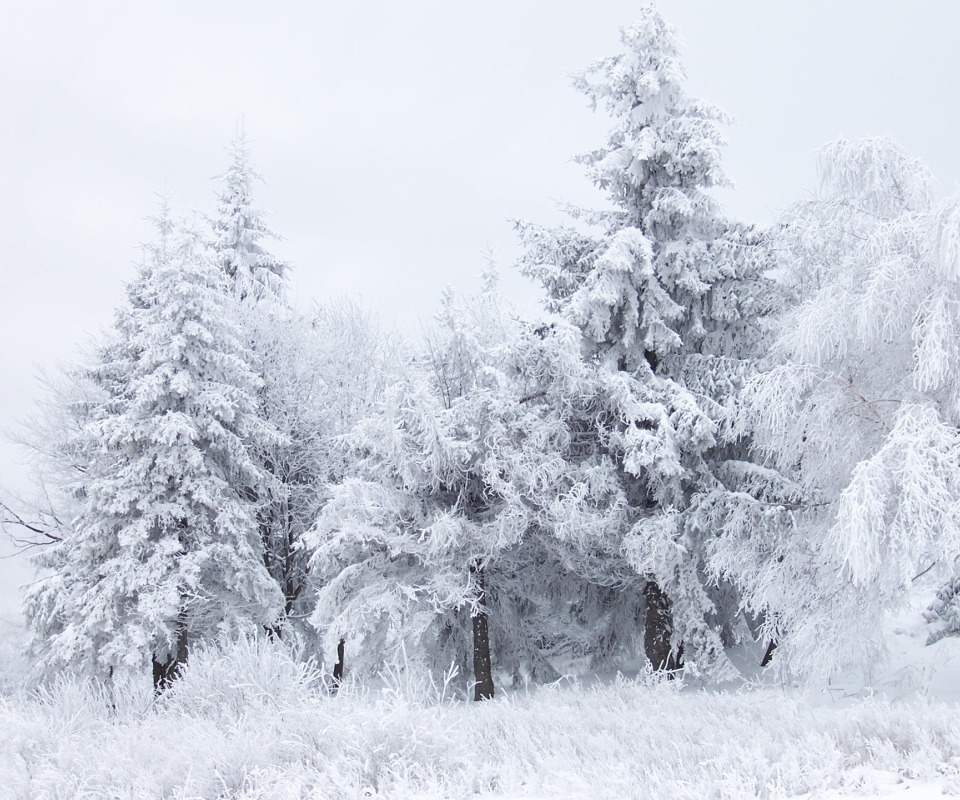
(166, 671)
(338, 667)
(482, 668)
(768, 656)
(658, 630)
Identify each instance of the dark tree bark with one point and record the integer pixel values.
(338, 667)
(658, 630)
(652, 359)
(482, 667)
(167, 671)
(768, 656)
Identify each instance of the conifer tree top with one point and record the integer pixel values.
(240, 227)
(663, 272)
(663, 139)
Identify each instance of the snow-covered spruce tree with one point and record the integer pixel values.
(860, 416)
(239, 228)
(163, 550)
(666, 289)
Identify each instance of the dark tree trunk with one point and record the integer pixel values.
(482, 667)
(338, 667)
(166, 671)
(652, 359)
(768, 656)
(658, 630)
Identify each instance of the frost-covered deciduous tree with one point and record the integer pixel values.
(860, 415)
(403, 552)
(58, 450)
(426, 553)
(490, 503)
(666, 289)
(163, 549)
(320, 374)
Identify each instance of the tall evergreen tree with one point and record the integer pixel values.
(163, 550)
(667, 289)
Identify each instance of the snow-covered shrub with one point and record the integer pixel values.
(253, 675)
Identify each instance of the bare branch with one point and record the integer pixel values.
(39, 532)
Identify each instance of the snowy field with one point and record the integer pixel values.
(253, 723)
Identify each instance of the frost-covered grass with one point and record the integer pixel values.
(254, 723)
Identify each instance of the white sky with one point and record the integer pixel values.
(396, 137)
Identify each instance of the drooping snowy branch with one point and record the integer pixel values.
(860, 413)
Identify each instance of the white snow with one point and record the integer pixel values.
(254, 723)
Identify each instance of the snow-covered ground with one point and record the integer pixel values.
(252, 723)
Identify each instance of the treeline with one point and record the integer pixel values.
(713, 432)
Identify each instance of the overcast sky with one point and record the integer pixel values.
(397, 138)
